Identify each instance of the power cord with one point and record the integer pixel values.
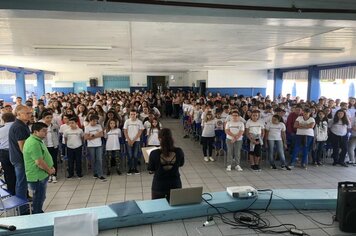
(308, 216)
(248, 219)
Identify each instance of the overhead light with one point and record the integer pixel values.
(78, 47)
(94, 61)
(312, 49)
(219, 66)
(104, 64)
(248, 61)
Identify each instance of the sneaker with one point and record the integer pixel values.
(206, 159)
(319, 163)
(291, 167)
(69, 176)
(102, 178)
(129, 172)
(54, 179)
(253, 167)
(273, 167)
(238, 168)
(285, 168)
(211, 159)
(354, 164)
(50, 179)
(136, 172)
(228, 168)
(80, 176)
(304, 166)
(95, 176)
(258, 168)
(344, 164)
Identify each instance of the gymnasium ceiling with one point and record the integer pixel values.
(176, 43)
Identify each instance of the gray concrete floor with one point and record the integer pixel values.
(87, 192)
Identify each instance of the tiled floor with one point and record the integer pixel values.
(87, 192)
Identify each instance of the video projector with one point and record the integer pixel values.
(243, 192)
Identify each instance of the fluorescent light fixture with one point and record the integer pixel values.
(248, 61)
(94, 61)
(219, 66)
(312, 49)
(104, 64)
(78, 47)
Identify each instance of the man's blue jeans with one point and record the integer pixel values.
(21, 184)
(96, 154)
(133, 154)
(39, 194)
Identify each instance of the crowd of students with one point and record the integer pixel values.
(116, 123)
(258, 124)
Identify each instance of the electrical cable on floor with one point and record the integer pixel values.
(305, 215)
(248, 219)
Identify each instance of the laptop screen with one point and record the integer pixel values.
(184, 196)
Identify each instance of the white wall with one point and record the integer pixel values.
(194, 76)
(63, 79)
(175, 79)
(237, 79)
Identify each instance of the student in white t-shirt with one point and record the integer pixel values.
(208, 136)
(133, 129)
(74, 140)
(93, 134)
(234, 130)
(255, 130)
(63, 128)
(113, 155)
(304, 137)
(152, 133)
(276, 135)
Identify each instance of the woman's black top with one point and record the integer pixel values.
(166, 169)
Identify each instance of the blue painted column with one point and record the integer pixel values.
(20, 84)
(40, 84)
(278, 82)
(313, 83)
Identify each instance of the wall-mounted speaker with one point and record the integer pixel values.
(346, 206)
(93, 82)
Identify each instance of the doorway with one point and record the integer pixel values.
(202, 87)
(157, 83)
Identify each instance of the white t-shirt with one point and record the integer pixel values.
(92, 130)
(133, 128)
(235, 128)
(275, 130)
(255, 128)
(219, 124)
(112, 139)
(74, 137)
(339, 128)
(208, 128)
(152, 139)
(63, 128)
(308, 132)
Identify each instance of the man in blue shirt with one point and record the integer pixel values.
(18, 133)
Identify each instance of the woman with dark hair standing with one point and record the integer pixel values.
(165, 163)
(338, 136)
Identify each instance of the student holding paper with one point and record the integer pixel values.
(165, 163)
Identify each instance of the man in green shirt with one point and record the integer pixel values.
(38, 165)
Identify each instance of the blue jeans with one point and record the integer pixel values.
(133, 154)
(302, 143)
(96, 154)
(280, 151)
(21, 184)
(318, 152)
(39, 194)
